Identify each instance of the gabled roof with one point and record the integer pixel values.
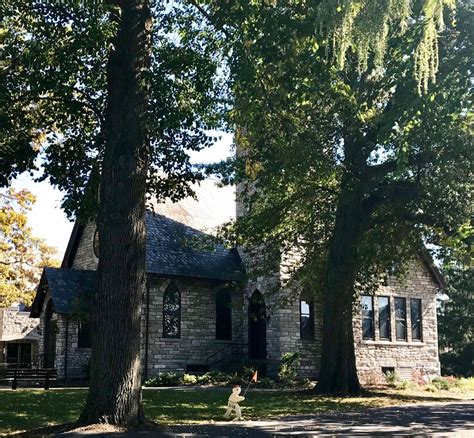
(72, 245)
(175, 249)
(67, 288)
(436, 274)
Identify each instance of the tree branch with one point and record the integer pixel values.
(380, 170)
(210, 18)
(399, 191)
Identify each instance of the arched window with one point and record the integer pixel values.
(223, 315)
(306, 316)
(172, 312)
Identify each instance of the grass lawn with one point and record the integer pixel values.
(26, 409)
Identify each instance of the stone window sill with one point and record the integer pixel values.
(394, 343)
(163, 338)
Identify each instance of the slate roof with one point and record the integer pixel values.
(178, 244)
(67, 288)
(176, 249)
(178, 235)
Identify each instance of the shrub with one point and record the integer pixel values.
(289, 364)
(236, 379)
(466, 384)
(441, 383)
(265, 383)
(165, 379)
(218, 377)
(430, 388)
(189, 379)
(406, 384)
(391, 378)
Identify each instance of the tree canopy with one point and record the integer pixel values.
(306, 124)
(53, 94)
(354, 169)
(22, 255)
(339, 139)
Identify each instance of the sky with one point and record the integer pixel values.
(49, 222)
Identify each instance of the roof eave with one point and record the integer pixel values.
(435, 272)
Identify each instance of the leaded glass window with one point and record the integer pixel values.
(367, 303)
(384, 318)
(401, 318)
(416, 319)
(306, 316)
(172, 312)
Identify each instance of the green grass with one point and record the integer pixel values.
(27, 409)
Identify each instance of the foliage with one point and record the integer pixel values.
(165, 379)
(53, 96)
(289, 365)
(303, 124)
(466, 384)
(456, 321)
(22, 255)
(392, 378)
(444, 383)
(406, 384)
(345, 29)
(189, 379)
(458, 363)
(352, 171)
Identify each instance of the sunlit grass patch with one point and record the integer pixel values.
(27, 409)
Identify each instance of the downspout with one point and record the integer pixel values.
(66, 350)
(147, 320)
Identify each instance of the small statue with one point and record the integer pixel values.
(233, 404)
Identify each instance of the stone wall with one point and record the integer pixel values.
(403, 356)
(66, 337)
(18, 325)
(197, 339)
(85, 257)
(283, 326)
(198, 322)
(78, 359)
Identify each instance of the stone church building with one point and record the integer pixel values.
(201, 312)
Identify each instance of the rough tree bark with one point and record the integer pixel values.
(115, 382)
(338, 366)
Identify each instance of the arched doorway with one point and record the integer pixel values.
(50, 329)
(257, 327)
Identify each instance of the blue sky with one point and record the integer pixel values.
(49, 221)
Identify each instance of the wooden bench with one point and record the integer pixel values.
(31, 374)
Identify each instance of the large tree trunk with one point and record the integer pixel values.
(338, 367)
(115, 382)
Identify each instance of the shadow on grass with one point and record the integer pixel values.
(413, 398)
(33, 410)
(27, 409)
(41, 432)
